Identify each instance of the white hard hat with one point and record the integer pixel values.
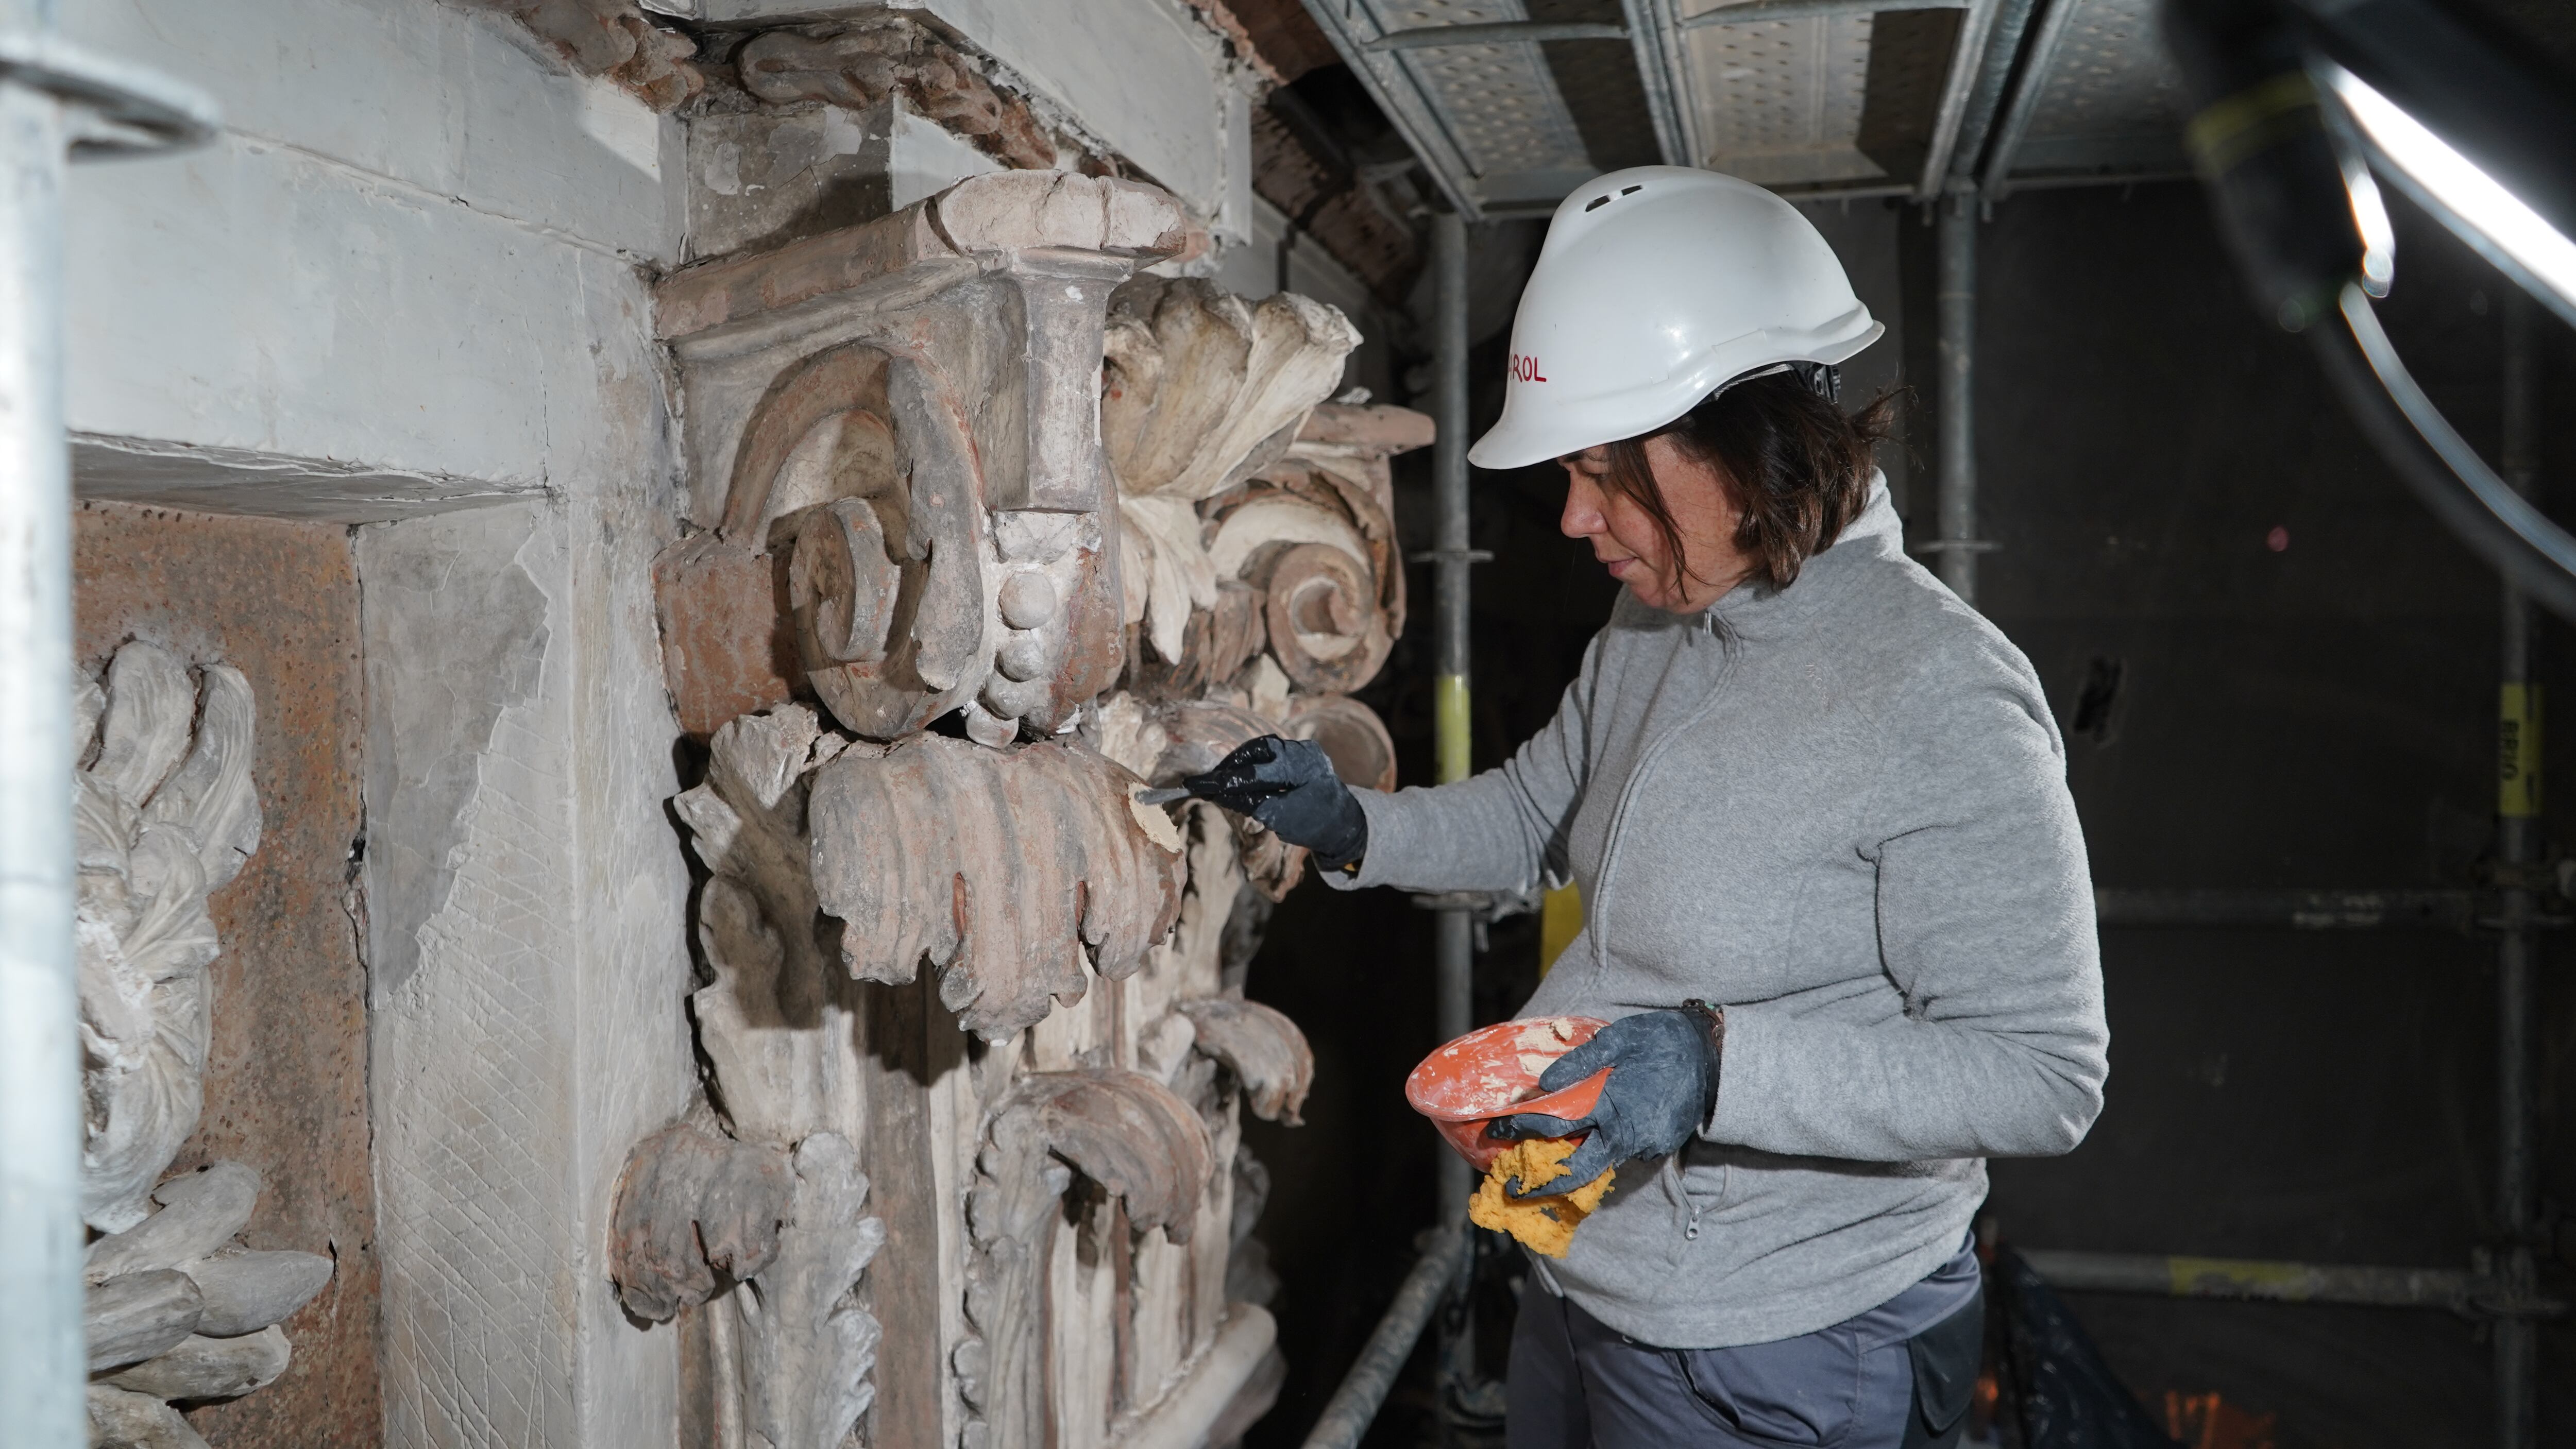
(1657, 285)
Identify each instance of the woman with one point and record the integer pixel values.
(1837, 904)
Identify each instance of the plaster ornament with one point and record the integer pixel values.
(1200, 388)
(807, 1352)
(123, 1419)
(611, 38)
(178, 1309)
(875, 56)
(888, 426)
(797, 1048)
(208, 1368)
(897, 426)
(696, 1211)
(135, 1316)
(1262, 1047)
(774, 1242)
(163, 814)
(1010, 871)
(1121, 1129)
(1195, 735)
(1349, 732)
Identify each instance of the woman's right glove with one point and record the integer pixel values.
(1289, 786)
(1662, 1088)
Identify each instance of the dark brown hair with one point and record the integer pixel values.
(1791, 461)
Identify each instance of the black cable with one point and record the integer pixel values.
(2498, 524)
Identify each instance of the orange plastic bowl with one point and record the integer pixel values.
(1493, 1072)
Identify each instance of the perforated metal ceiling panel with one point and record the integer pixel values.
(1487, 117)
(2110, 103)
(1803, 102)
(1779, 101)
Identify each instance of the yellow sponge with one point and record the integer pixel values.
(1543, 1224)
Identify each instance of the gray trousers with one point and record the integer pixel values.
(1896, 1377)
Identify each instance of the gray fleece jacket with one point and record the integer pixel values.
(1839, 811)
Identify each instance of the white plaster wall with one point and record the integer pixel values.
(417, 259)
(383, 259)
(1143, 75)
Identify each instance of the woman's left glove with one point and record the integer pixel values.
(1662, 1088)
(1289, 786)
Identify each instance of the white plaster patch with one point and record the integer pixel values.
(722, 173)
(626, 126)
(924, 159)
(842, 133)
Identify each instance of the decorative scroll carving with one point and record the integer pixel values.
(904, 415)
(612, 38)
(1199, 389)
(776, 1241)
(176, 1311)
(896, 441)
(1262, 1047)
(881, 55)
(1127, 1132)
(164, 813)
(1121, 1129)
(696, 1211)
(1349, 732)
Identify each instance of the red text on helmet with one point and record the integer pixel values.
(1526, 368)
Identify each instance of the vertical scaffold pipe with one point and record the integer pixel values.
(42, 1361)
(1454, 964)
(2518, 849)
(1956, 350)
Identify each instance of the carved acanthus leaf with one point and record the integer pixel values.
(1006, 869)
(808, 1349)
(696, 1210)
(1262, 1047)
(1199, 389)
(1129, 1133)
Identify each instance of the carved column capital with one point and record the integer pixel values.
(895, 427)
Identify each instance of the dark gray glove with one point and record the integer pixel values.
(1662, 1088)
(1289, 786)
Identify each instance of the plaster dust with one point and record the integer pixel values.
(286, 1081)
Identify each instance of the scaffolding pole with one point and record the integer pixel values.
(42, 1361)
(2518, 784)
(1955, 240)
(56, 101)
(1454, 965)
(2257, 1280)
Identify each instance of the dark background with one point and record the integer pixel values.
(2319, 715)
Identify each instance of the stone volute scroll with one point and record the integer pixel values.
(164, 814)
(894, 437)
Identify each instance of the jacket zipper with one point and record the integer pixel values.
(1599, 928)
